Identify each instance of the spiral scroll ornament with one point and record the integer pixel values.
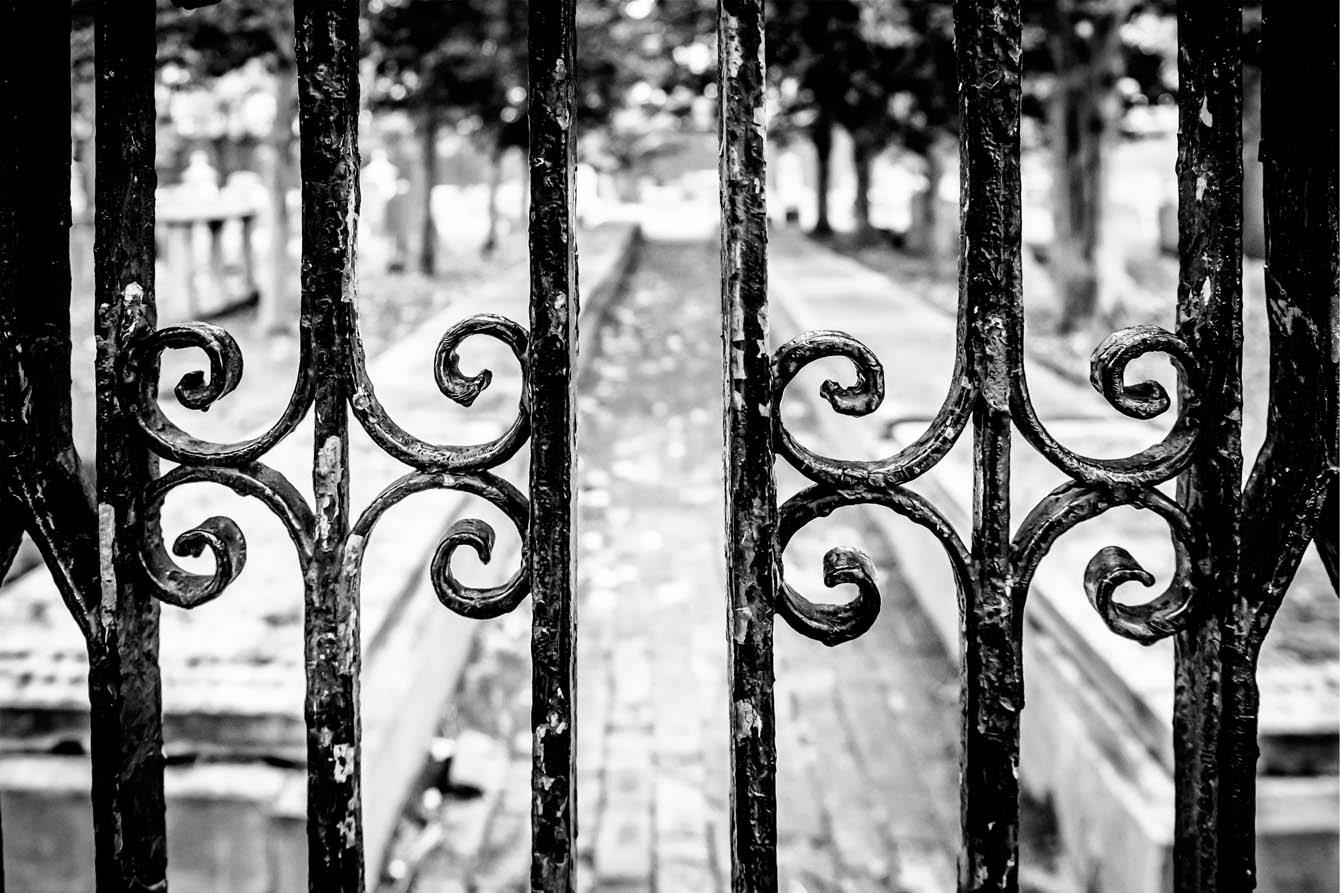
(462, 469)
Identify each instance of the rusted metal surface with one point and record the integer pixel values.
(40, 469)
(37, 457)
(124, 685)
(327, 54)
(987, 38)
(1290, 496)
(551, 393)
(1242, 544)
(1209, 318)
(751, 491)
(90, 551)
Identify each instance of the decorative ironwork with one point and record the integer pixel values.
(1215, 725)
(104, 548)
(110, 595)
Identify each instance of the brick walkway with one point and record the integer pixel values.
(867, 732)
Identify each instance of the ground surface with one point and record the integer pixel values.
(867, 732)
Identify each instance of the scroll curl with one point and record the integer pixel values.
(860, 399)
(834, 624)
(452, 382)
(219, 535)
(1141, 400)
(480, 603)
(1075, 502)
(197, 392)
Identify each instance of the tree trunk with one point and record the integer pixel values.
(495, 174)
(279, 303)
(821, 133)
(1088, 63)
(923, 236)
(862, 156)
(429, 124)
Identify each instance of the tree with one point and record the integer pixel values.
(901, 74)
(1079, 42)
(461, 64)
(883, 71)
(812, 46)
(927, 111)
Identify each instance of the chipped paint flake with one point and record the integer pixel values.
(343, 757)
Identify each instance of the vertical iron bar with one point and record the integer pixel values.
(751, 491)
(35, 219)
(551, 396)
(327, 55)
(1292, 494)
(1213, 669)
(34, 272)
(1290, 497)
(987, 36)
(124, 682)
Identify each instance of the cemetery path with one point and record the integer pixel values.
(867, 732)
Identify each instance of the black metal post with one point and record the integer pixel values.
(551, 390)
(124, 682)
(327, 54)
(987, 35)
(37, 457)
(1210, 654)
(751, 492)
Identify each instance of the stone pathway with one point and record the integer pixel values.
(867, 732)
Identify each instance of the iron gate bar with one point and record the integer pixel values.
(551, 395)
(1291, 494)
(751, 492)
(1289, 497)
(40, 492)
(327, 57)
(124, 681)
(987, 37)
(989, 385)
(38, 467)
(1209, 320)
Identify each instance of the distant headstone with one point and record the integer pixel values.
(200, 179)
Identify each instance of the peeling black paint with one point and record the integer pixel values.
(124, 684)
(987, 39)
(327, 56)
(751, 492)
(551, 393)
(1209, 318)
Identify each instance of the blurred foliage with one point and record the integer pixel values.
(883, 70)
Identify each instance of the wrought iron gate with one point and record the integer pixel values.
(1237, 545)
